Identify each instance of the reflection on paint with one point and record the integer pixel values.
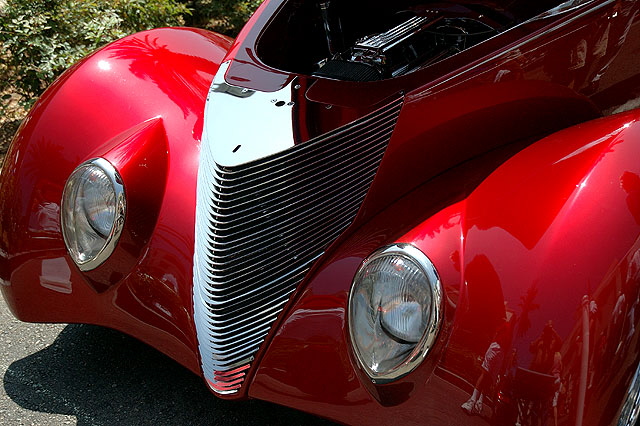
(104, 65)
(55, 275)
(49, 217)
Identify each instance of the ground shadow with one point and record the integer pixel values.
(104, 377)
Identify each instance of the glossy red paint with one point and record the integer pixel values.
(550, 234)
(581, 252)
(547, 235)
(139, 103)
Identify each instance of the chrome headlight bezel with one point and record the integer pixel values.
(68, 212)
(412, 254)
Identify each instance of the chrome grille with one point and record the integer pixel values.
(261, 225)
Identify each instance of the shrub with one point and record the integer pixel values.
(225, 16)
(41, 38)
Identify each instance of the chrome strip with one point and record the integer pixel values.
(630, 412)
(395, 35)
(565, 7)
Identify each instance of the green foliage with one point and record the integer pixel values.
(41, 38)
(225, 16)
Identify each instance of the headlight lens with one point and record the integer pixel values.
(394, 311)
(93, 211)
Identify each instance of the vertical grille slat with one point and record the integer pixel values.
(261, 225)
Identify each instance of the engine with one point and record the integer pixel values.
(422, 37)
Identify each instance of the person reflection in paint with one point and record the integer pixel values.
(539, 387)
(544, 348)
(630, 183)
(491, 367)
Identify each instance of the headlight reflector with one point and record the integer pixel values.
(394, 311)
(93, 211)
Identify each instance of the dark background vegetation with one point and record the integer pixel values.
(39, 39)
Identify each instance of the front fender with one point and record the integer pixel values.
(551, 249)
(541, 257)
(139, 102)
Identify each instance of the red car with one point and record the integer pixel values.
(376, 212)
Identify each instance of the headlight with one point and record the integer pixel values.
(394, 311)
(93, 211)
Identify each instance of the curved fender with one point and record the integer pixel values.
(551, 261)
(138, 102)
(542, 258)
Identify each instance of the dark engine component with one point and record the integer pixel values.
(416, 42)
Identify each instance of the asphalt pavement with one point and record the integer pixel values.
(58, 374)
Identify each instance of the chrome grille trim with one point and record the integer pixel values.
(261, 225)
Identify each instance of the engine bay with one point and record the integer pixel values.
(422, 38)
(354, 40)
